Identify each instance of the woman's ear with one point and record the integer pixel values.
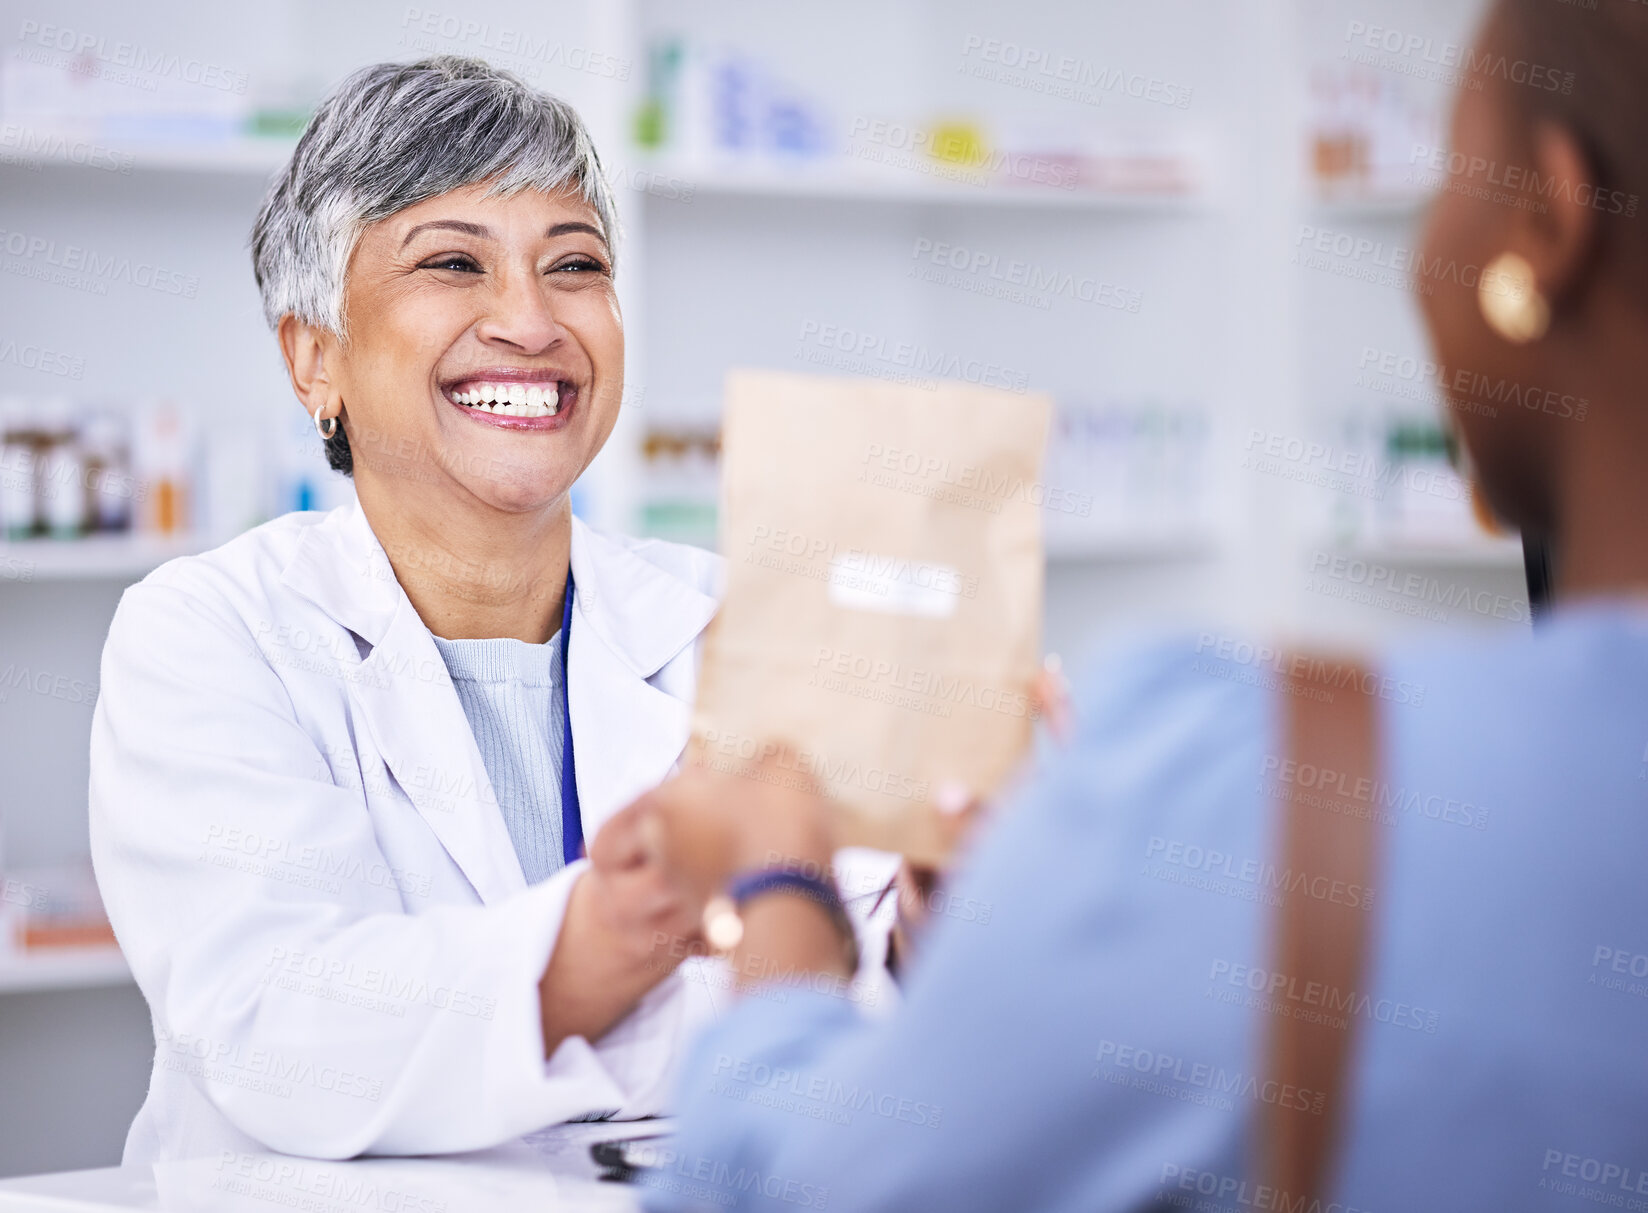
(307, 350)
(1556, 228)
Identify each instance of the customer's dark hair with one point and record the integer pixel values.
(1596, 53)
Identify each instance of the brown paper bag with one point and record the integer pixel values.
(883, 605)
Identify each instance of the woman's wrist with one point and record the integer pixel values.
(786, 880)
(786, 936)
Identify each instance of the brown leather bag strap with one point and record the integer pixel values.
(1328, 810)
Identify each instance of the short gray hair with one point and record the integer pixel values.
(392, 135)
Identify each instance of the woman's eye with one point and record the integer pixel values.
(452, 261)
(586, 265)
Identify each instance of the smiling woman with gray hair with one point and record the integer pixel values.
(344, 766)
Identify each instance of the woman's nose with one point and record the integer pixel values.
(522, 317)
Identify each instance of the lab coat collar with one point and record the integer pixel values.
(632, 618)
(339, 565)
(643, 613)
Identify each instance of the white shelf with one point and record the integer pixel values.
(244, 155)
(1142, 548)
(1475, 554)
(109, 557)
(668, 180)
(829, 180)
(1353, 205)
(61, 969)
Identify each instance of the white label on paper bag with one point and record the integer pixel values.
(863, 581)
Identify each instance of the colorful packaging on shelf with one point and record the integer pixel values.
(57, 907)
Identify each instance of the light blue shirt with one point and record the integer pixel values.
(1095, 1041)
(511, 695)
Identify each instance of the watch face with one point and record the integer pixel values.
(723, 928)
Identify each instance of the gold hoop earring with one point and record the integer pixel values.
(331, 421)
(1511, 300)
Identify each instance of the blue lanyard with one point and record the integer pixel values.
(572, 821)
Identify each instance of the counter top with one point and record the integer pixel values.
(550, 1169)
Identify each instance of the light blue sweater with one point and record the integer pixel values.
(510, 692)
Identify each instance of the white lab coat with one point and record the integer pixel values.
(299, 848)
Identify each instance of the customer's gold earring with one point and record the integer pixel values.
(1511, 300)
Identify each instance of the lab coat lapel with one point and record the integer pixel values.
(406, 699)
(631, 618)
(626, 733)
(415, 719)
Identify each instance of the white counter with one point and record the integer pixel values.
(548, 1170)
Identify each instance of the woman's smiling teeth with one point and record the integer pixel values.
(512, 399)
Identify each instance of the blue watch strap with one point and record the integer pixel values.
(769, 880)
(747, 885)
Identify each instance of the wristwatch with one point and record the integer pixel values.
(724, 925)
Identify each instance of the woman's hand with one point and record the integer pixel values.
(648, 910)
(1050, 697)
(638, 909)
(710, 825)
(630, 920)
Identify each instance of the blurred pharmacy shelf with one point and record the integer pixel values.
(24, 972)
(831, 180)
(92, 557)
(1141, 548)
(1484, 553)
(1361, 205)
(54, 934)
(31, 148)
(1133, 548)
(659, 179)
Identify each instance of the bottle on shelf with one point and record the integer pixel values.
(1405, 491)
(1125, 471)
(107, 445)
(1430, 502)
(20, 515)
(64, 488)
(707, 103)
(682, 483)
(161, 459)
(1366, 133)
